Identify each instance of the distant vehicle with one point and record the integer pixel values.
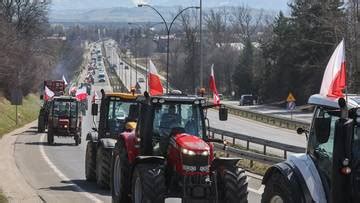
(221, 96)
(248, 99)
(121, 63)
(101, 75)
(101, 80)
(141, 80)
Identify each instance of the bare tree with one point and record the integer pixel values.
(245, 22)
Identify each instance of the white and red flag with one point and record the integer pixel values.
(81, 94)
(64, 79)
(213, 86)
(155, 86)
(95, 97)
(334, 80)
(48, 94)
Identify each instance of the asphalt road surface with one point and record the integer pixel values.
(57, 172)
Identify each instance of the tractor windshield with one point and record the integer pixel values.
(65, 109)
(183, 117)
(117, 114)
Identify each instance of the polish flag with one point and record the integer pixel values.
(81, 94)
(48, 94)
(155, 86)
(95, 97)
(64, 79)
(213, 87)
(334, 80)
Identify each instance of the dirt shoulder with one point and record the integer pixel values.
(13, 185)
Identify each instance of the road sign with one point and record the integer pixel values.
(290, 98)
(16, 96)
(291, 106)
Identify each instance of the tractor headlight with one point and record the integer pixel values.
(65, 126)
(188, 152)
(205, 153)
(155, 101)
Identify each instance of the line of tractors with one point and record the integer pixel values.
(155, 148)
(150, 148)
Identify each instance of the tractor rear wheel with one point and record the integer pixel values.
(41, 124)
(148, 183)
(279, 190)
(90, 161)
(234, 186)
(50, 136)
(120, 187)
(103, 164)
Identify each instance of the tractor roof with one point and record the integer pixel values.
(181, 98)
(320, 100)
(67, 98)
(127, 96)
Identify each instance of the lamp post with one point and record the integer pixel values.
(168, 30)
(201, 49)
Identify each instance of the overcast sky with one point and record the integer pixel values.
(93, 4)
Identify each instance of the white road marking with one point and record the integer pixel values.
(256, 191)
(64, 177)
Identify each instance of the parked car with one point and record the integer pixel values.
(141, 80)
(248, 99)
(101, 79)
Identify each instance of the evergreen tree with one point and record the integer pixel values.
(242, 77)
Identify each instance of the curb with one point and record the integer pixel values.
(12, 182)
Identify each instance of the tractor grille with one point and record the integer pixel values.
(196, 160)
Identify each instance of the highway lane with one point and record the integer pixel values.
(57, 172)
(128, 76)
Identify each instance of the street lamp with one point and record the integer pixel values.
(168, 30)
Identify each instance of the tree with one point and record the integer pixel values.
(242, 77)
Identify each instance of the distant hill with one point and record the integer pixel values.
(117, 14)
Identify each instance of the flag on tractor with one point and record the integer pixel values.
(64, 79)
(81, 94)
(155, 86)
(334, 80)
(213, 87)
(48, 94)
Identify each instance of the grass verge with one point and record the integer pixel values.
(27, 113)
(3, 199)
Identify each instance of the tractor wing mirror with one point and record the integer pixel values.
(322, 129)
(41, 97)
(94, 109)
(223, 113)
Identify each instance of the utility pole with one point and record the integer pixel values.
(201, 49)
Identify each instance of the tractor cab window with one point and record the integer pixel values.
(118, 111)
(322, 153)
(170, 119)
(65, 109)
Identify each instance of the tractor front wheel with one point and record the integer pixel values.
(120, 187)
(234, 186)
(280, 190)
(90, 161)
(103, 164)
(148, 183)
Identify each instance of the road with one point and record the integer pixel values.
(129, 76)
(297, 114)
(56, 173)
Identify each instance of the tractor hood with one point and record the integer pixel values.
(190, 142)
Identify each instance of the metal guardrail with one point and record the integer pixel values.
(268, 119)
(250, 153)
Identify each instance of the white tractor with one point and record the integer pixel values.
(329, 171)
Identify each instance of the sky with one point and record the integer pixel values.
(93, 4)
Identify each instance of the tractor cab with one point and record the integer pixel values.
(171, 118)
(115, 110)
(334, 146)
(64, 119)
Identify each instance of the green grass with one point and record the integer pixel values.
(27, 113)
(3, 199)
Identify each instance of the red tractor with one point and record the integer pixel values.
(170, 155)
(56, 86)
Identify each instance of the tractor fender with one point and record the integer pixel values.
(307, 170)
(93, 137)
(224, 161)
(292, 171)
(107, 143)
